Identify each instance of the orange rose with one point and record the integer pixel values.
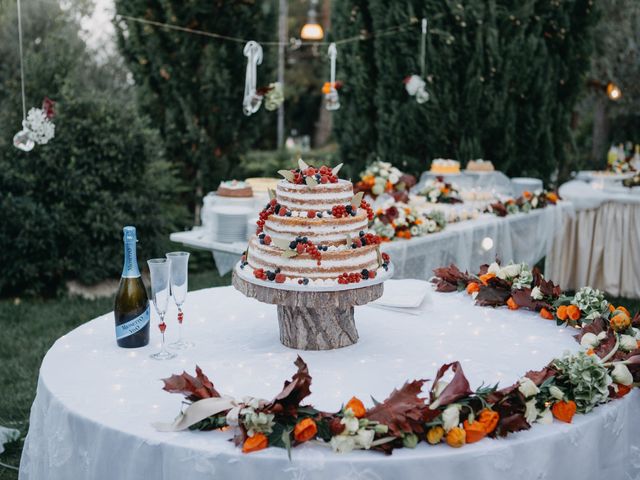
(474, 432)
(611, 309)
(326, 88)
(357, 407)
(562, 312)
(564, 411)
(624, 310)
(456, 437)
(527, 195)
(258, 441)
(552, 197)
(546, 314)
(573, 312)
(591, 351)
(305, 430)
(489, 419)
(486, 277)
(512, 304)
(473, 287)
(620, 322)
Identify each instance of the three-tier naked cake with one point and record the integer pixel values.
(314, 231)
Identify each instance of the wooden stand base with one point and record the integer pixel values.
(313, 320)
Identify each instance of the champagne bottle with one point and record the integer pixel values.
(131, 308)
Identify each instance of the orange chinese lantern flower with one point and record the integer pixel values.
(573, 312)
(546, 314)
(473, 287)
(305, 430)
(489, 419)
(623, 390)
(552, 197)
(511, 303)
(527, 195)
(435, 434)
(611, 309)
(456, 437)
(620, 322)
(561, 312)
(486, 277)
(357, 407)
(258, 441)
(591, 351)
(624, 310)
(564, 411)
(474, 432)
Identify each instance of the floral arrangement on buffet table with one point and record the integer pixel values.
(523, 204)
(440, 191)
(382, 177)
(606, 368)
(400, 220)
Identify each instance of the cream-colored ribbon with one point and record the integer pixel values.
(198, 411)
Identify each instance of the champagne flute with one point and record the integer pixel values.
(179, 286)
(159, 269)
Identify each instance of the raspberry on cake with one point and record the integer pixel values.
(315, 228)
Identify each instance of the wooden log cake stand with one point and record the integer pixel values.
(313, 320)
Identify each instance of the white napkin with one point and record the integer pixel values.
(409, 296)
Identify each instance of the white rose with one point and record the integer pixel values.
(527, 387)
(364, 438)
(556, 392)
(536, 293)
(393, 178)
(621, 374)
(494, 268)
(510, 271)
(342, 443)
(531, 412)
(351, 423)
(628, 343)
(534, 202)
(589, 340)
(545, 417)
(414, 84)
(451, 417)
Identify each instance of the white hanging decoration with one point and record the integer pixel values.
(415, 84)
(37, 126)
(331, 97)
(252, 100)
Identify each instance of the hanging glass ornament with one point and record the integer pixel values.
(252, 99)
(22, 141)
(331, 97)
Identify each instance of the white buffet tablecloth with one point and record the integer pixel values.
(95, 403)
(523, 237)
(600, 245)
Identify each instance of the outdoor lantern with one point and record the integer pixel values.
(312, 30)
(613, 91)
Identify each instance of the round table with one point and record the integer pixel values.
(95, 402)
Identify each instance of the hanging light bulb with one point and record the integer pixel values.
(613, 91)
(312, 30)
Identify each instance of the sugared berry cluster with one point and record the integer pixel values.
(368, 208)
(304, 245)
(356, 277)
(272, 208)
(339, 211)
(385, 261)
(262, 274)
(365, 239)
(321, 175)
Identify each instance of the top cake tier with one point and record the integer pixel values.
(320, 197)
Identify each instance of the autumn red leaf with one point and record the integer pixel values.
(294, 391)
(450, 279)
(403, 411)
(194, 388)
(492, 295)
(540, 376)
(524, 300)
(457, 388)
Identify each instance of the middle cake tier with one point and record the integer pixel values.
(327, 230)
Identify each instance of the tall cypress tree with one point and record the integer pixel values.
(193, 85)
(504, 78)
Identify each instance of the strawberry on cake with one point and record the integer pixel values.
(315, 230)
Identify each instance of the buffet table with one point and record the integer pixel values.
(95, 402)
(524, 236)
(600, 245)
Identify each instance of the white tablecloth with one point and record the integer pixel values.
(92, 415)
(525, 237)
(600, 246)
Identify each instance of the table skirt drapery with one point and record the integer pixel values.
(95, 403)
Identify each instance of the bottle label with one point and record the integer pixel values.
(130, 269)
(133, 326)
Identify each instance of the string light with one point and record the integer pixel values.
(613, 91)
(312, 30)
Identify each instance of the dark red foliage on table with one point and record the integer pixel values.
(194, 388)
(540, 376)
(450, 279)
(510, 405)
(294, 391)
(457, 388)
(403, 411)
(499, 209)
(494, 294)
(523, 299)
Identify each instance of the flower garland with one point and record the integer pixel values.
(403, 221)
(439, 191)
(382, 177)
(452, 413)
(525, 203)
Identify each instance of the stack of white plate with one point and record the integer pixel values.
(229, 223)
(252, 224)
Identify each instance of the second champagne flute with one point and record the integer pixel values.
(179, 286)
(159, 270)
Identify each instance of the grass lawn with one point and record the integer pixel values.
(30, 327)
